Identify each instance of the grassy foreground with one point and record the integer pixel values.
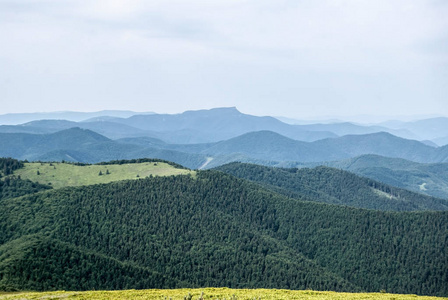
(63, 174)
(212, 293)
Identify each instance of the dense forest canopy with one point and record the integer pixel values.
(330, 185)
(214, 230)
(8, 165)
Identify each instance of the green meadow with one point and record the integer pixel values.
(212, 293)
(63, 174)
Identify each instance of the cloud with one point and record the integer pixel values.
(239, 50)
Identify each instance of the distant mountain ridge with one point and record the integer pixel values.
(20, 118)
(423, 128)
(381, 143)
(107, 128)
(213, 125)
(347, 128)
(270, 146)
(83, 145)
(433, 129)
(219, 124)
(190, 127)
(88, 146)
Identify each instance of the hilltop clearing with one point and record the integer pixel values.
(58, 174)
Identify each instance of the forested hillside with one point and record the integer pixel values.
(329, 185)
(13, 186)
(214, 230)
(428, 179)
(9, 165)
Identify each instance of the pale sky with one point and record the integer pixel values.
(298, 58)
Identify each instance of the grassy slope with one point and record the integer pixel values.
(212, 293)
(62, 174)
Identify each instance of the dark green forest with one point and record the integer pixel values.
(8, 165)
(15, 187)
(11, 186)
(330, 185)
(214, 230)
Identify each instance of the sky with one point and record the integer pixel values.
(300, 59)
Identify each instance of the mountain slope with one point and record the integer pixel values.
(427, 129)
(270, 146)
(207, 248)
(40, 263)
(82, 145)
(382, 143)
(347, 128)
(328, 185)
(264, 147)
(26, 146)
(442, 154)
(216, 230)
(441, 141)
(428, 179)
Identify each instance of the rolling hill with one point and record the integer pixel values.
(267, 147)
(428, 179)
(427, 129)
(333, 186)
(441, 141)
(263, 147)
(81, 145)
(347, 128)
(213, 230)
(383, 144)
(270, 146)
(63, 174)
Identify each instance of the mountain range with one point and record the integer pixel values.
(342, 207)
(212, 125)
(214, 229)
(262, 145)
(20, 118)
(209, 138)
